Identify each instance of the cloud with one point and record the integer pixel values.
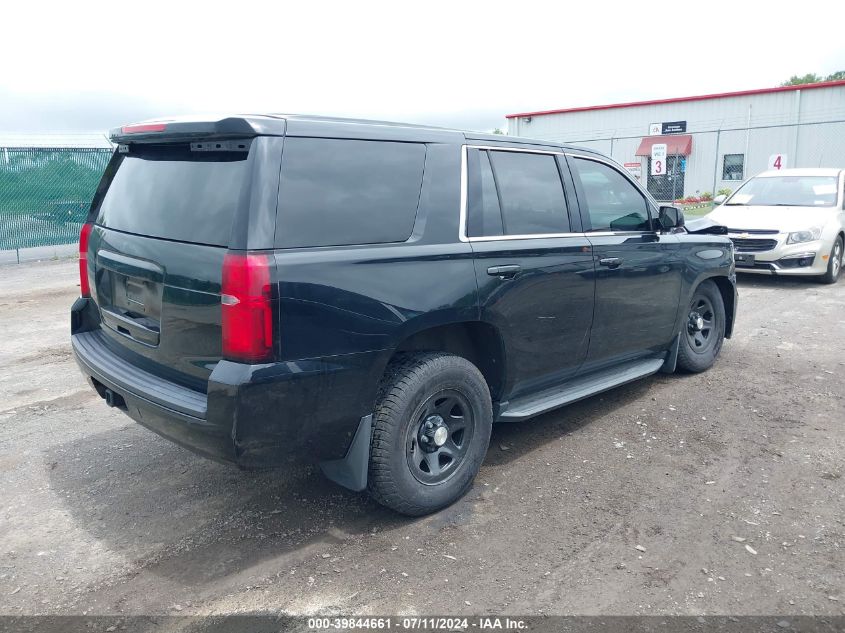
(98, 112)
(457, 64)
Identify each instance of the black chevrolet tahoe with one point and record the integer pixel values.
(374, 296)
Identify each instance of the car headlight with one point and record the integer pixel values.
(804, 236)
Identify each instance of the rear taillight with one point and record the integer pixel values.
(84, 235)
(246, 307)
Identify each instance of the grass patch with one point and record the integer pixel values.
(697, 211)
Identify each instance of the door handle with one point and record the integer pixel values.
(611, 262)
(507, 271)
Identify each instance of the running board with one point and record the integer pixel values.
(577, 389)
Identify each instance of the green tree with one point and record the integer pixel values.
(813, 78)
(798, 80)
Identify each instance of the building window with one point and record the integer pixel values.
(732, 167)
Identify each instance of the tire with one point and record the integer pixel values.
(417, 479)
(834, 263)
(701, 339)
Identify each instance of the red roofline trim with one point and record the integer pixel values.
(722, 95)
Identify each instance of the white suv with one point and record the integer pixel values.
(787, 222)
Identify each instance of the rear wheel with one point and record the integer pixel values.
(834, 263)
(703, 330)
(431, 430)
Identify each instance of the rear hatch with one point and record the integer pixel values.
(164, 219)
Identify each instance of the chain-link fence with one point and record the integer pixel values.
(45, 193)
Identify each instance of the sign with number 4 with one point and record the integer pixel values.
(777, 161)
(658, 159)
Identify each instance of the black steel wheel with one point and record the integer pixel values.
(700, 324)
(431, 429)
(703, 330)
(438, 442)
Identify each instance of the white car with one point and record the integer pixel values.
(787, 222)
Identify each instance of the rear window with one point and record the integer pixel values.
(335, 192)
(175, 193)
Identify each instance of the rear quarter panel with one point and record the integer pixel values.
(349, 307)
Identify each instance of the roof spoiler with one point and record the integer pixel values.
(164, 130)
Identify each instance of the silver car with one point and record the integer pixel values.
(787, 222)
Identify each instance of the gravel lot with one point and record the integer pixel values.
(719, 493)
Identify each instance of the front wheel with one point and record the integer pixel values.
(703, 329)
(431, 430)
(834, 263)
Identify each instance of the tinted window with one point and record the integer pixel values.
(484, 214)
(176, 194)
(336, 192)
(531, 193)
(613, 202)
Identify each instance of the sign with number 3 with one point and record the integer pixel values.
(658, 159)
(777, 161)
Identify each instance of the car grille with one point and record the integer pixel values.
(748, 245)
(755, 231)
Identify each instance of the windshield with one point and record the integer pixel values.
(792, 191)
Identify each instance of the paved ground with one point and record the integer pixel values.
(719, 493)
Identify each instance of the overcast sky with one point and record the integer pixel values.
(87, 66)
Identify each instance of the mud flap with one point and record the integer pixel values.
(351, 471)
(671, 362)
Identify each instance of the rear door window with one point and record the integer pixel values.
(336, 192)
(484, 216)
(531, 193)
(174, 193)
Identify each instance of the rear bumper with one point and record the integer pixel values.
(175, 412)
(252, 415)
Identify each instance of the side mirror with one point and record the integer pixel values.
(670, 218)
(719, 199)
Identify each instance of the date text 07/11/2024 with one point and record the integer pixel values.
(418, 623)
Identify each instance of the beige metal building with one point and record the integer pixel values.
(713, 141)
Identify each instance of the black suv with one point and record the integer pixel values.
(374, 296)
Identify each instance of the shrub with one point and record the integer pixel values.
(688, 200)
(724, 192)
